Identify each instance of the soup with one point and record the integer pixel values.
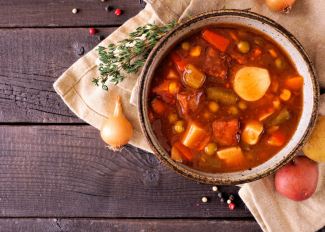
(225, 99)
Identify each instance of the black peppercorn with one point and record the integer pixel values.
(107, 8)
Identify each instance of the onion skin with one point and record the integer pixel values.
(280, 5)
(117, 130)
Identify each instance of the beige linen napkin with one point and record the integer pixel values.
(272, 211)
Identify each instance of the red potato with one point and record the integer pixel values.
(298, 179)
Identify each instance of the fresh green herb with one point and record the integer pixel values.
(129, 54)
(224, 7)
(188, 15)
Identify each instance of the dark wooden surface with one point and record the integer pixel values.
(56, 173)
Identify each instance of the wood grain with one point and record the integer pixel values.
(53, 13)
(32, 61)
(135, 225)
(66, 171)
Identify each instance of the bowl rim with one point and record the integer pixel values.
(238, 13)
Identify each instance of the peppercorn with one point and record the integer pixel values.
(231, 206)
(215, 188)
(74, 10)
(107, 8)
(118, 12)
(92, 31)
(219, 195)
(100, 37)
(231, 197)
(222, 199)
(204, 199)
(229, 201)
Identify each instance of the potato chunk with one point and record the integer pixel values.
(252, 132)
(177, 156)
(232, 156)
(314, 148)
(193, 135)
(251, 83)
(193, 77)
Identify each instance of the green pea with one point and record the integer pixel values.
(213, 106)
(179, 127)
(185, 46)
(172, 118)
(279, 63)
(243, 46)
(211, 149)
(242, 104)
(233, 110)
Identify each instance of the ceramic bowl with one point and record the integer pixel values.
(293, 48)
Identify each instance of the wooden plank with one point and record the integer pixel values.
(36, 58)
(136, 225)
(66, 171)
(53, 13)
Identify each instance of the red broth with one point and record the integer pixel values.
(202, 116)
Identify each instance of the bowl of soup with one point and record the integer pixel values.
(227, 97)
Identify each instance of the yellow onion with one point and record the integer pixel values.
(117, 130)
(280, 5)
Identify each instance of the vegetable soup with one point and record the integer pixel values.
(225, 99)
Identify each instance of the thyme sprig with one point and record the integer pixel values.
(128, 54)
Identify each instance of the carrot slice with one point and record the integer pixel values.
(162, 88)
(184, 150)
(180, 63)
(233, 36)
(204, 143)
(217, 41)
(294, 83)
(276, 139)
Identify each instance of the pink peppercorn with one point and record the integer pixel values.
(118, 12)
(231, 206)
(92, 31)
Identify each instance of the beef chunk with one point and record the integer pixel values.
(226, 132)
(216, 64)
(190, 102)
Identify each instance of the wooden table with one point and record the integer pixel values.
(56, 174)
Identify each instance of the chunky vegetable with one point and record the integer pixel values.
(193, 135)
(232, 156)
(251, 83)
(193, 77)
(195, 51)
(314, 147)
(252, 132)
(184, 150)
(276, 139)
(217, 41)
(283, 116)
(179, 62)
(224, 96)
(117, 130)
(294, 83)
(176, 155)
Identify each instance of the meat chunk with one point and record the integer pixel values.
(226, 132)
(190, 102)
(216, 64)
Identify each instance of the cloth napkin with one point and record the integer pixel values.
(272, 211)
